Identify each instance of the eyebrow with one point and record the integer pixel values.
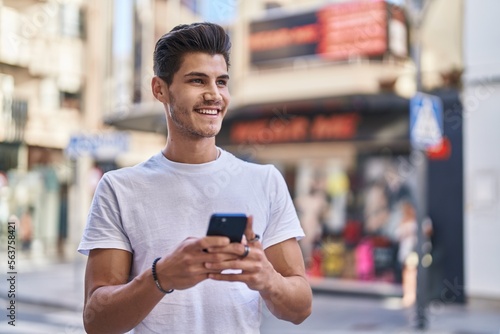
(201, 74)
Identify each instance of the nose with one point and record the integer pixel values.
(212, 93)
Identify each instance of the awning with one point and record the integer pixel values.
(360, 117)
(364, 103)
(150, 117)
(147, 117)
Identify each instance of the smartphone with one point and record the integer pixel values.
(231, 225)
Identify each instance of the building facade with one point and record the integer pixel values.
(42, 77)
(481, 95)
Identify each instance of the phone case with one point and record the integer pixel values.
(231, 225)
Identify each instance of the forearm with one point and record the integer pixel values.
(289, 298)
(119, 308)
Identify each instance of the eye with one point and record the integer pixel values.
(222, 83)
(196, 81)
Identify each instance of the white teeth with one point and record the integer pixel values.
(208, 111)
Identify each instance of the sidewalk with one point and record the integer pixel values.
(358, 288)
(55, 284)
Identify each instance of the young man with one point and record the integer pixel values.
(161, 208)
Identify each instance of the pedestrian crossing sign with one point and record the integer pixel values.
(426, 121)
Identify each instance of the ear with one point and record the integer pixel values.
(159, 89)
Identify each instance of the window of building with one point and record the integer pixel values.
(70, 100)
(71, 20)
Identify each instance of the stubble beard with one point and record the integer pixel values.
(185, 127)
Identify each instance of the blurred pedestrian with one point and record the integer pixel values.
(407, 257)
(151, 269)
(26, 228)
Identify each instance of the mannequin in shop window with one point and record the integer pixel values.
(377, 251)
(312, 208)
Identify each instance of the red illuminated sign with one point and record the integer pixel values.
(335, 32)
(295, 129)
(274, 39)
(353, 29)
(441, 151)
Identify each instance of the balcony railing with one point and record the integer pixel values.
(13, 121)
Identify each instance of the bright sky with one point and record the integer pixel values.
(122, 32)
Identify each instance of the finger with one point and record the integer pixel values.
(247, 266)
(233, 248)
(249, 234)
(212, 241)
(246, 252)
(218, 257)
(218, 267)
(227, 277)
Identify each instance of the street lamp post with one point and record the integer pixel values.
(416, 10)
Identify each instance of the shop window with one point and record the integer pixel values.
(359, 222)
(269, 5)
(70, 100)
(9, 153)
(14, 118)
(106, 166)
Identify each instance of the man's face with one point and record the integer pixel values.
(198, 97)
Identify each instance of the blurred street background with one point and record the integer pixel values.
(381, 116)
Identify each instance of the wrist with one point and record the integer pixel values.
(155, 277)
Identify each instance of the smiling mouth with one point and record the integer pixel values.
(207, 111)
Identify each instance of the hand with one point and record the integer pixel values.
(185, 266)
(257, 271)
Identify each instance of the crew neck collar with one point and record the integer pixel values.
(186, 167)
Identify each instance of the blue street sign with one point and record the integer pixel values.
(426, 121)
(98, 146)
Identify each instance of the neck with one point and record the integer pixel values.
(193, 152)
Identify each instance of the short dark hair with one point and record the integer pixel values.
(186, 38)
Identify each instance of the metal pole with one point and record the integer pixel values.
(416, 9)
(422, 276)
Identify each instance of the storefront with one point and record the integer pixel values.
(351, 171)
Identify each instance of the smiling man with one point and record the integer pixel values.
(150, 268)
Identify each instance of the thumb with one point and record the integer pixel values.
(249, 233)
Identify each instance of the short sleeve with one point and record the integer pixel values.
(104, 227)
(283, 221)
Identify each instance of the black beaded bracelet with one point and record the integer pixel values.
(153, 269)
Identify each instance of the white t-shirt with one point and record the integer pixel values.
(150, 208)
